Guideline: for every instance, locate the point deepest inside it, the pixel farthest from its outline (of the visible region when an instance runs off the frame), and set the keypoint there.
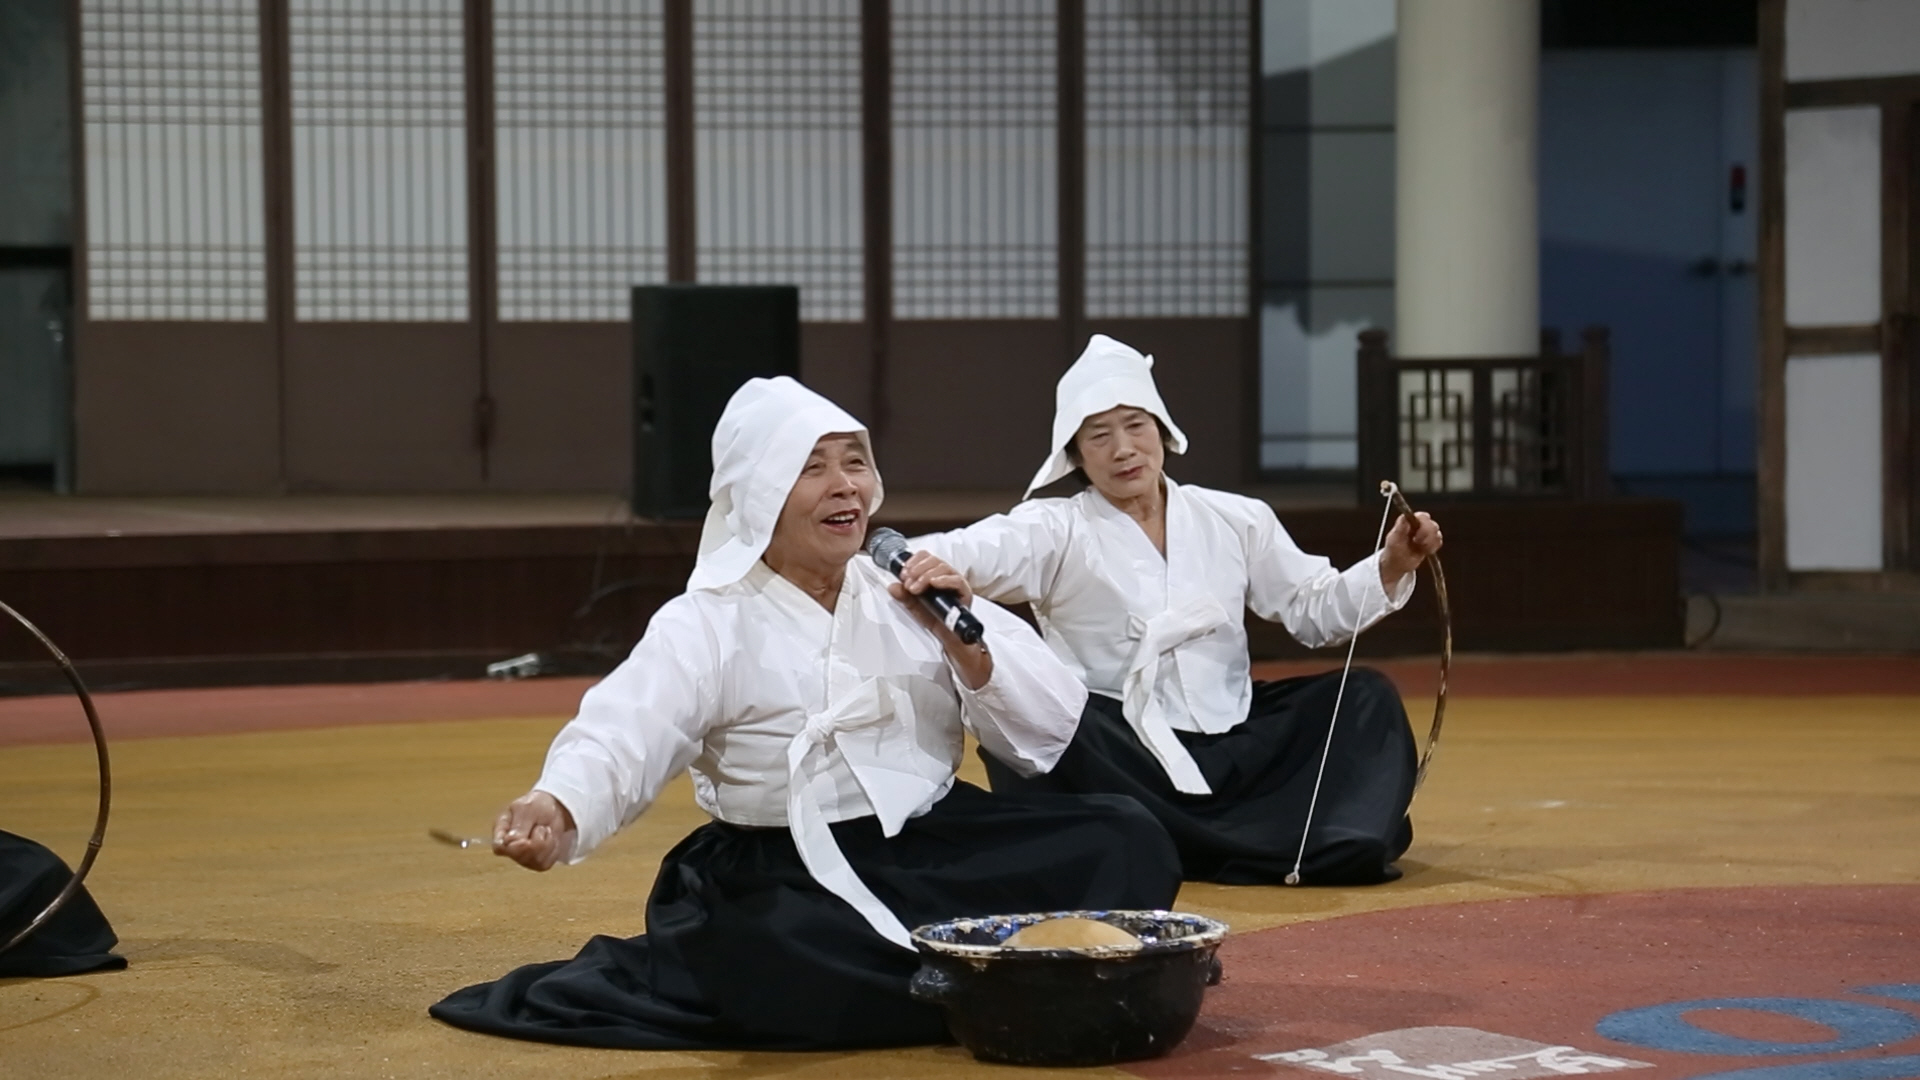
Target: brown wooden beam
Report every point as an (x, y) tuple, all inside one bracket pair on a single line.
[(876, 171), (1071, 174), (1252, 424), (482, 249), (1832, 340), (1839, 93), (682, 238), (1897, 192), (276, 146), (1772, 416), (66, 478)]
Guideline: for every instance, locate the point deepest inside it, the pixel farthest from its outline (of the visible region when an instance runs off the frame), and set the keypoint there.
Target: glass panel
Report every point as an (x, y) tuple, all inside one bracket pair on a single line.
[(379, 160), (579, 107), (33, 315), (175, 219), (975, 141)]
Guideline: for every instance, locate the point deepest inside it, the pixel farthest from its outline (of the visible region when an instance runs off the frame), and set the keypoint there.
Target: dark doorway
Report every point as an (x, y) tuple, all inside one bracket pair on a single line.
[(36, 237)]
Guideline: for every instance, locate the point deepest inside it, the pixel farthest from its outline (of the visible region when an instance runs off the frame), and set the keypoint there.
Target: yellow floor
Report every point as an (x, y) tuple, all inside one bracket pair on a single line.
[(286, 915)]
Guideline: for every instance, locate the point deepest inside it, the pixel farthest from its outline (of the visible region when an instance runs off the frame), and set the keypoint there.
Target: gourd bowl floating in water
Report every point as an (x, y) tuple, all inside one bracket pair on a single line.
[(1072, 1004)]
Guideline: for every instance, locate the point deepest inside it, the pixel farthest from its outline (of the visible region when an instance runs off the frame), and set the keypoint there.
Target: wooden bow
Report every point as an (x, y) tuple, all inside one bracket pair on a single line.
[(1392, 491), (106, 784)]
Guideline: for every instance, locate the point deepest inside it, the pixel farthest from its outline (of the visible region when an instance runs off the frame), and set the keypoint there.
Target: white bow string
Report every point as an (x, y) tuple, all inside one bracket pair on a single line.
[(1386, 512)]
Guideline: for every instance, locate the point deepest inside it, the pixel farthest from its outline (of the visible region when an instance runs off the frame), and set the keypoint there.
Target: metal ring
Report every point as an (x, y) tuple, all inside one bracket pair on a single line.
[(106, 781)]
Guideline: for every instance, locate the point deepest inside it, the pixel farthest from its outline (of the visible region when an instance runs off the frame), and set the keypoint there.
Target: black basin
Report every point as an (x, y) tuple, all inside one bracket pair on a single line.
[(1062, 1007)]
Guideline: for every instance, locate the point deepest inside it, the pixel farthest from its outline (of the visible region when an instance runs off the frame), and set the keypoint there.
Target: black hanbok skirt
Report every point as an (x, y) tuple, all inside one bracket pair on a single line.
[(77, 939), (1247, 832), (745, 951)]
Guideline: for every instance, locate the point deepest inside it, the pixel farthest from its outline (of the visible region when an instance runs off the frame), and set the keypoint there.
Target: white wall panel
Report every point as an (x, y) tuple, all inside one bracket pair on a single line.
[(1833, 216), (1833, 463), (1850, 39)]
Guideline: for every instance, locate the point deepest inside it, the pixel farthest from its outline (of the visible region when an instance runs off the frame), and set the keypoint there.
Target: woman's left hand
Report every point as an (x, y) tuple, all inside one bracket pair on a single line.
[(1409, 543), (927, 571)]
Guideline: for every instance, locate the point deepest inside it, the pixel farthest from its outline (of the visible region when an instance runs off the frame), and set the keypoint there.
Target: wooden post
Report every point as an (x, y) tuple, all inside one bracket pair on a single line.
[(1377, 425), (677, 30), (1071, 49), (876, 170), (1596, 470)]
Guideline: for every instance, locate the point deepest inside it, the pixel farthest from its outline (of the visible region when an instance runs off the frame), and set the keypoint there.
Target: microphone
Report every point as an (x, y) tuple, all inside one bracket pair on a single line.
[(889, 549)]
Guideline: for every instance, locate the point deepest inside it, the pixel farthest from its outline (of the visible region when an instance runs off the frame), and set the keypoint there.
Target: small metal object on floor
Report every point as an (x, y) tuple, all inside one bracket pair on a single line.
[(452, 840)]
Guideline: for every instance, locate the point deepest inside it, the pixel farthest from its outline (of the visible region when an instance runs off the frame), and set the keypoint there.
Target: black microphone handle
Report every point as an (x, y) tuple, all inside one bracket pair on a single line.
[(946, 606)]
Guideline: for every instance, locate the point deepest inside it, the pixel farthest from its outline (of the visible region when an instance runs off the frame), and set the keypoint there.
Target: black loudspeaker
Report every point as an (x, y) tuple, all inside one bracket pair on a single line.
[(693, 346)]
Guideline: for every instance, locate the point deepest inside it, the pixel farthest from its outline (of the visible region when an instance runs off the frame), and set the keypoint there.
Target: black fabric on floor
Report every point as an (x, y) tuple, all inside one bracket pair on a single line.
[(77, 939), (1247, 832), (744, 950)]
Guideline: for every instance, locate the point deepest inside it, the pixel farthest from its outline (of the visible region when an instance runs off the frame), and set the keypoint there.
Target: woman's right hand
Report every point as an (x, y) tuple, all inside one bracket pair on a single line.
[(535, 830)]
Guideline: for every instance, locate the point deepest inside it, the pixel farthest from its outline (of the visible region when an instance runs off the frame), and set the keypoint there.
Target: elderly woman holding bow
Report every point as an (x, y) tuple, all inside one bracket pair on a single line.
[(1140, 584), (821, 712)]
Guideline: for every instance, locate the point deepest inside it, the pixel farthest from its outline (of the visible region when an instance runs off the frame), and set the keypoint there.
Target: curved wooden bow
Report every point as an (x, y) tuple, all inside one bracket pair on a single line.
[(1392, 491), (106, 784)]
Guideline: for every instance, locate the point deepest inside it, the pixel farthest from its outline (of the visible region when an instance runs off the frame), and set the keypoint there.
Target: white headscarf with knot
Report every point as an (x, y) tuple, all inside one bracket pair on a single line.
[(759, 447), (1108, 374)]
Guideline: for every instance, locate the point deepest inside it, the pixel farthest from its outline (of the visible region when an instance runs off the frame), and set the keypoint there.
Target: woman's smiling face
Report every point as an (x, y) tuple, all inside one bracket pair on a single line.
[(824, 521)]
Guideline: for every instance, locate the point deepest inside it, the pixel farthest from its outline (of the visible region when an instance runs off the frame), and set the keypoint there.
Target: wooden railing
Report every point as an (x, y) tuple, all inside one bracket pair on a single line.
[(1527, 426)]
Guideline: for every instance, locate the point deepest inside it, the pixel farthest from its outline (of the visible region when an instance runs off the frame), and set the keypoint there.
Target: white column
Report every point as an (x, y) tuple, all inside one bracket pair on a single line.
[(1467, 256)]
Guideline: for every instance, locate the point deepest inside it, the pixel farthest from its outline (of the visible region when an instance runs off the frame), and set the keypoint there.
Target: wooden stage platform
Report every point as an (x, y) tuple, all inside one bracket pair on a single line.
[(227, 591)]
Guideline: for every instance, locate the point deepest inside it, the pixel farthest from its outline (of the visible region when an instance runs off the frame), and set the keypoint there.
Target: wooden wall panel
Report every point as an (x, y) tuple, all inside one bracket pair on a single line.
[(176, 407), (562, 407), (238, 608)]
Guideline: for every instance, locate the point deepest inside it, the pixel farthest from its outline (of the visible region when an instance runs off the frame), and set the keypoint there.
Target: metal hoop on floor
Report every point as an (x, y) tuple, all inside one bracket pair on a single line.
[(106, 782)]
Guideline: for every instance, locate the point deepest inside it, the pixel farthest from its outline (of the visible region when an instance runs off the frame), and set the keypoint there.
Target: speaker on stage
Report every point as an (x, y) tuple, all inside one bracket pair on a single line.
[(693, 346)]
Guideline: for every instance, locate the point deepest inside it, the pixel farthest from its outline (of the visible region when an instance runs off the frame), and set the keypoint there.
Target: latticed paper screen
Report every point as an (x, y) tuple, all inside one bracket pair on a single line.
[(579, 108), (1167, 116), (777, 123), (379, 160), (975, 136), (175, 205)]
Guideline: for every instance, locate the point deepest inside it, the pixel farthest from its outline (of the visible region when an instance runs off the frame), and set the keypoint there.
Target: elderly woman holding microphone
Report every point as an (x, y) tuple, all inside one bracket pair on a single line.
[(1140, 584), (821, 711)]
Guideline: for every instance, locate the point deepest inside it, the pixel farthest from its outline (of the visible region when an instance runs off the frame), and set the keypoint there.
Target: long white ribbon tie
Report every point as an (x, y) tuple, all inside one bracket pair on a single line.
[(1359, 625), (1159, 636), (853, 725)]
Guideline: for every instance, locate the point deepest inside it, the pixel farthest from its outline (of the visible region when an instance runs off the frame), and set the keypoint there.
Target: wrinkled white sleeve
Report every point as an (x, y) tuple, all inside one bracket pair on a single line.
[(637, 728), (1318, 605), (1011, 558), (1028, 710)]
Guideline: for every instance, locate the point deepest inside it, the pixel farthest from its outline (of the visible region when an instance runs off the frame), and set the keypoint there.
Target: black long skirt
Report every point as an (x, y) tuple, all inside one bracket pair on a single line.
[(1247, 832), (77, 939), (744, 950)]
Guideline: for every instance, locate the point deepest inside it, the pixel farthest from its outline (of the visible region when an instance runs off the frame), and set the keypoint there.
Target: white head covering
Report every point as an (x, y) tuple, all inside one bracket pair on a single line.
[(1108, 374), (759, 447)]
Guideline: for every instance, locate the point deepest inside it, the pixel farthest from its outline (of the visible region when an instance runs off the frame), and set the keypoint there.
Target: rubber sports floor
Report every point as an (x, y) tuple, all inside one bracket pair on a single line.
[(1671, 865)]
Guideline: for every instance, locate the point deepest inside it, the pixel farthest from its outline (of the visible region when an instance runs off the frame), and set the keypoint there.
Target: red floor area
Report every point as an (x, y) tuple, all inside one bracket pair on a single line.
[(149, 713), (1687, 981)]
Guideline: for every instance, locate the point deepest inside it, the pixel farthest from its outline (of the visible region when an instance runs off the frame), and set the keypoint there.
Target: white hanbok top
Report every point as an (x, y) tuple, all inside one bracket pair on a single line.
[(1165, 635), (789, 715)]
